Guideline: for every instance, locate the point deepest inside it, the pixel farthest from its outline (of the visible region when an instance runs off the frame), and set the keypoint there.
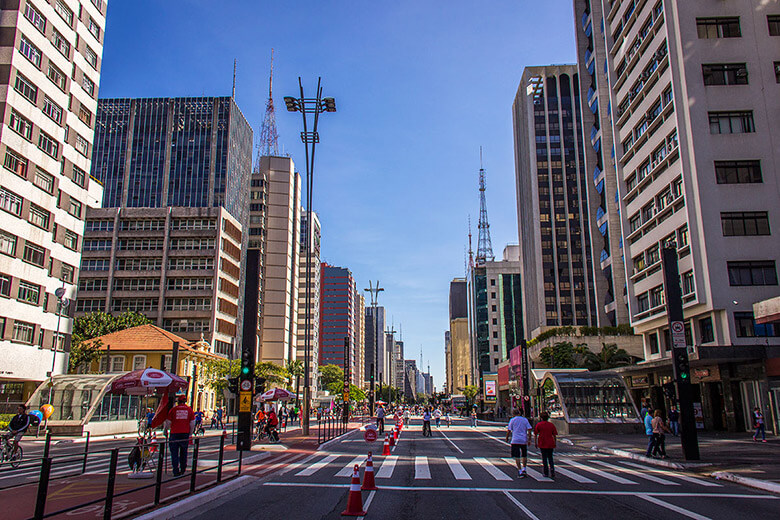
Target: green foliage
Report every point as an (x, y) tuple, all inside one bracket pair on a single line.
[(295, 369), (5, 418), (93, 325), (563, 355), (216, 372), (610, 357), (336, 388), (620, 330), (470, 392), (275, 376), (331, 374), (388, 393)]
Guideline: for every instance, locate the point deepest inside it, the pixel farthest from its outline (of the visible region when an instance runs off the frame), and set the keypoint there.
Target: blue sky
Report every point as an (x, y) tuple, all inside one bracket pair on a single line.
[(420, 85)]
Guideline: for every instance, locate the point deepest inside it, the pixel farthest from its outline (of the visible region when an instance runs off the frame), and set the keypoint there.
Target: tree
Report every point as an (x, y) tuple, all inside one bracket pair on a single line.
[(610, 357), (93, 325), (274, 374), (295, 369), (563, 355), (470, 392), (217, 371), (330, 374)]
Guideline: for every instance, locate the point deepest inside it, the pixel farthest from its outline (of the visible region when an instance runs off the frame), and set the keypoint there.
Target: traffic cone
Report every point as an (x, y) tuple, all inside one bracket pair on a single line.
[(395, 433), (386, 447), (355, 498), (368, 475), (392, 437)]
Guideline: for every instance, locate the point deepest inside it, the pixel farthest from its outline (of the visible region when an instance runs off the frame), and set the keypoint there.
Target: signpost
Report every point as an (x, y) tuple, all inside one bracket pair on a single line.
[(680, 365), (370, 434), (525, 376)]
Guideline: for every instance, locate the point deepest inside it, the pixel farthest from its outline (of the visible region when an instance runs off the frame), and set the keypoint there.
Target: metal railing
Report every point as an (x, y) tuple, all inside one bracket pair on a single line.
[(29, 463)]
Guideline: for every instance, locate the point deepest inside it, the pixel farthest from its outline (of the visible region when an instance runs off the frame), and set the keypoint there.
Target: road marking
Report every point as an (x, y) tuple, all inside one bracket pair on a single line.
[(458, 471), (531, 472), (450, 441), (672, 507), (521, 506), (574, 476), (490, 468), (350, 468), (421, 468), (494, 438), (367, 503), (651, 478), (684, 478), (296, 465), (316, 466), (387, 467), (603, 474)]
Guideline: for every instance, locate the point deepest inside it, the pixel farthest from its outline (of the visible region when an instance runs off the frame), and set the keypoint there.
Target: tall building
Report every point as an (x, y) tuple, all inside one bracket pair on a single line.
[(399, 374), (49, 86), (337, 319), (282, 215), (462, 373), (387, 377), (552, 206), (504, 301), (410, 379), (178, 266), (313, 310), (258, 209), (693, 91), (360, 339), (374, 343)]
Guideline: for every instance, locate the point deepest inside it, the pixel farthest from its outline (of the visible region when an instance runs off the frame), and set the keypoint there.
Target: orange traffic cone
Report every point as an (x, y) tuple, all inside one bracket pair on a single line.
[(386, 447), (368, 475), (355, 498), (395, 433), (392, 437)]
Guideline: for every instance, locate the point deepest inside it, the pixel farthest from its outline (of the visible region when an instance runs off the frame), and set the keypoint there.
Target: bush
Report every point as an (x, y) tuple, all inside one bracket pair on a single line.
[(5, 418)]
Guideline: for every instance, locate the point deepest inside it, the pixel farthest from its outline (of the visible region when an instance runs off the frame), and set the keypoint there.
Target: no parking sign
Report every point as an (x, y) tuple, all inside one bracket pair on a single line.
[(370, 434)]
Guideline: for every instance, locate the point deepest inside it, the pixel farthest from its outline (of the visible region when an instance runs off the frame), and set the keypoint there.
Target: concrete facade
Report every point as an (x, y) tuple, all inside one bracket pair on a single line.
[(504, 300), (313, 311)]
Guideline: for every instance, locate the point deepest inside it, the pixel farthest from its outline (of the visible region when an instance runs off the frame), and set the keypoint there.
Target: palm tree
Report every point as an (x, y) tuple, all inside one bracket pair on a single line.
[(295, 369), (610, 357)]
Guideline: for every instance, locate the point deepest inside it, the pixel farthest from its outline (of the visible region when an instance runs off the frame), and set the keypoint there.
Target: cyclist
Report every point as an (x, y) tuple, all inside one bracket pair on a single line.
[(426, 426), (198, 422), (271, 425), (260, 420), (16, 428), (149, 419)]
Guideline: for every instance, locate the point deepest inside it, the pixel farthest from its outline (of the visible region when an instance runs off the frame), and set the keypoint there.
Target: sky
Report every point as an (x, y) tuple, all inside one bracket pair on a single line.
[(420, 85)]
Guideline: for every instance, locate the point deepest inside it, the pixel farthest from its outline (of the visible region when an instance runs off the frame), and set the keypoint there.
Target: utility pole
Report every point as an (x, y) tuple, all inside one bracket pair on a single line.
[(680, 365)]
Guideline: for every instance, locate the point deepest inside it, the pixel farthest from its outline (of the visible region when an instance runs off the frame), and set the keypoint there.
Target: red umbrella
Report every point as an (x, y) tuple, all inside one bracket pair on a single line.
[(147, 381), (277, 394)]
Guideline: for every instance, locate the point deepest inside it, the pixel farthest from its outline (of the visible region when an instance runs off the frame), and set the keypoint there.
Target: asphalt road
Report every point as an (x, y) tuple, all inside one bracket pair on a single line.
[(463, 472)]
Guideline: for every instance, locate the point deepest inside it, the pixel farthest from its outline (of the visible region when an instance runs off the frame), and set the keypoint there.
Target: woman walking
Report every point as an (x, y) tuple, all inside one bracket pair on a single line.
[(659, 429), (758, 420)]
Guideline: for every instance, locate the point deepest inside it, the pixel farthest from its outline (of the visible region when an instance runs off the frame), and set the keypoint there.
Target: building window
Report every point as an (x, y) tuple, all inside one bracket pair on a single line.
[(136, 284), (94, 28), (139, 264), (39, 216), (732, 122), (652, 341), (10, 202), (29, 293), (30, 51), (752, 273), (44, 180), (190, 284), (67, 273), (82, 146), (687, 283), (643, 302), (747, 327), (100, 225), (773, 21), (95, 264), (725, 74), (88, 85), (7, 243), (89, 304), (57, 77), (48, 145), (706, 330), (5, 285), (16, 163), (134, 304), (61, 43), (74, 208), (93, 284), (26, 88), (91, 57), (35, 17), (21, 125), (777, 71), (34, 254), (117, 363), (24, 332), (71, 240), (97, 245), (188, 304), (85, 116), (745, 223), (80, 177), (51, 109), (64, 11), (718, 27), (738, 172), (656, 297), (139, 362)]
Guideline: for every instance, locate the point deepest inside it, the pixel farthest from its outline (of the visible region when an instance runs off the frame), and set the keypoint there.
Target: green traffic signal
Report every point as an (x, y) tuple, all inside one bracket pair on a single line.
[(244, 370), (684, 375)]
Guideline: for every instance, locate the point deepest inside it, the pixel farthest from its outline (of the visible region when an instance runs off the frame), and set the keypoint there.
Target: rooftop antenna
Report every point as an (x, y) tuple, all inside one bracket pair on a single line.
[(269, 138), (233, 95), (471, 251), (484, 246)]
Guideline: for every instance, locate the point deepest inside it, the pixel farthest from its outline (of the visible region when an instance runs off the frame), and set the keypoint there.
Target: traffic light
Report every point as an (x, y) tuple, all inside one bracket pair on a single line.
[(247, 362), (259, 385), (683, 367), (233, 385)]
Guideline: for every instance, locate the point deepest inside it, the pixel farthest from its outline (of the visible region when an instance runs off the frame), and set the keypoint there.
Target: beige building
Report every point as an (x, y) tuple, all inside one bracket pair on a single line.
[(51, 61), (313, 311), (279, 329), (178, 266), (360, 340), (461, 367)]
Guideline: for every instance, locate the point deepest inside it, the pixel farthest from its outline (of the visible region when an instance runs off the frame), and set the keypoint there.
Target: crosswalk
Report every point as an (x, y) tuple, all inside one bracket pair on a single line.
[(589, 471)]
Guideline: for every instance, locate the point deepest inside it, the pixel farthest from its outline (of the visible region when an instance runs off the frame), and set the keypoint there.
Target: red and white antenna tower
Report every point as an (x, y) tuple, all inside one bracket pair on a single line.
[(268, 136)]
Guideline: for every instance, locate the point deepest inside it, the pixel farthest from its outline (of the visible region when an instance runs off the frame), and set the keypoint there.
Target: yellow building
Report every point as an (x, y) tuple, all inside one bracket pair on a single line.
[(150, 346)]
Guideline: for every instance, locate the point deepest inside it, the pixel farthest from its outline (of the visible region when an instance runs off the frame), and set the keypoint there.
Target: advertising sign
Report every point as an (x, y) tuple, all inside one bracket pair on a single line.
[(490, 389)]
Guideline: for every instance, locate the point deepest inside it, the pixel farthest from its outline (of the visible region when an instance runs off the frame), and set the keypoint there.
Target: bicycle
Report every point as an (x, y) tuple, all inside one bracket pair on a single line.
[(261, 434), (7, 454), (199, 430), (426, 429)]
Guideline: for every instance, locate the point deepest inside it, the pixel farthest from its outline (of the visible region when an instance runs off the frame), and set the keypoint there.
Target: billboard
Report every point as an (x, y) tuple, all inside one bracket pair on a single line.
[(490, 390)]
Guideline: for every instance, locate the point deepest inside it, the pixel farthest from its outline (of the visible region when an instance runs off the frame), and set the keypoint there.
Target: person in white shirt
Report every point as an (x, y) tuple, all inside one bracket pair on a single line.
[(437, 417), (519, 431)]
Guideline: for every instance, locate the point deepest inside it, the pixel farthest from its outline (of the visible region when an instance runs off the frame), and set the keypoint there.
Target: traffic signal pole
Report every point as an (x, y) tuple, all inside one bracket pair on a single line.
[(246, 377), (680, 364)]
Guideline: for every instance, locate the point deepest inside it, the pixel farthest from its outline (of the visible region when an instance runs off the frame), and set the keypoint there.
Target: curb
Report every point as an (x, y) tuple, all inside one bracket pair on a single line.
[(181, 507), (334, 439), (755, 483), (649, 460)]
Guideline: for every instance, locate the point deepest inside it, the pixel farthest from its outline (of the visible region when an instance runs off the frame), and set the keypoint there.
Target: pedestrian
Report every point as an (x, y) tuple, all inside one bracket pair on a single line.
[(758, 422), (437, 417), (674, 421), (659, 439), (546, 434), (220, 424), (181, 424), (517, 432), (645, 409), (474, 418), (648, 420), (380, 419)]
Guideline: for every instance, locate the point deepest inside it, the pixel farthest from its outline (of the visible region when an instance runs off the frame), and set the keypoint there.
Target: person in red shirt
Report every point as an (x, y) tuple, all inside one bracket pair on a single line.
[(545, 440), (181, 423)]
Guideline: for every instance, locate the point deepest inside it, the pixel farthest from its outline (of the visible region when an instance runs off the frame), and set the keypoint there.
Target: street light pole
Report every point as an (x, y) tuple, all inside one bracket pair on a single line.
[(62, 302), (305, 106)]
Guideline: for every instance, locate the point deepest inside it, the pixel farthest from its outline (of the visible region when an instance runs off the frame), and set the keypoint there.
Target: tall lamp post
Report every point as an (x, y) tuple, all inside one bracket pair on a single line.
[(62, 304), (310, 138)]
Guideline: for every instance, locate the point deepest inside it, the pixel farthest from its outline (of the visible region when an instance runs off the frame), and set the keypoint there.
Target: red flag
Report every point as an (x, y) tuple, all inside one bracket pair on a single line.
[(161, 414)]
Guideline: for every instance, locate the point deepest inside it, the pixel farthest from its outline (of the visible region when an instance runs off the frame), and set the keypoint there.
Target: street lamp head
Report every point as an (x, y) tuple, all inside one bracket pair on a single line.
[(329, 104), (291, 103)]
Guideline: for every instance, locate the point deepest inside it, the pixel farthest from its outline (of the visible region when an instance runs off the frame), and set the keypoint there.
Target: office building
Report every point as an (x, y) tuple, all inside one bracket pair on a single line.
[(338, 322), (460, 349), (360, 339), (51, 66), (399, 374), (410, 380), (374, 343), (693, 90), (504, 302), (281, 213), (178, 266), (312, 312), (552, 207)]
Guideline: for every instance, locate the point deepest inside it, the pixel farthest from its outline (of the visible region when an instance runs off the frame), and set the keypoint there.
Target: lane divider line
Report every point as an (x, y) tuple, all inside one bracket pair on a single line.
[(672, 507), (524, 509)]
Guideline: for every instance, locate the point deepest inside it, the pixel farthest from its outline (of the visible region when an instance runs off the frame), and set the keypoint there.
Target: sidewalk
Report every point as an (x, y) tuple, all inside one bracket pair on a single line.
[(734, 453)]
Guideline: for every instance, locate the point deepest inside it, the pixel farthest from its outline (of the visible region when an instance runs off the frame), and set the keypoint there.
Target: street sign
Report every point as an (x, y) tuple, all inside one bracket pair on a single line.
[(245, 402), (370, 435), (246, 385)]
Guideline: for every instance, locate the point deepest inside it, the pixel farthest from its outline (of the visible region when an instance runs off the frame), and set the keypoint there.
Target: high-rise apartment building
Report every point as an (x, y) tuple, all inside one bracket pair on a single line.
[(399, 374), (51, 65), (375, 341), (552, 205), (178, 266), (360, 339), (338, 321), (312, 312), (462, 372), (694, 89), (504, 302), (410, 380), (281, 261)]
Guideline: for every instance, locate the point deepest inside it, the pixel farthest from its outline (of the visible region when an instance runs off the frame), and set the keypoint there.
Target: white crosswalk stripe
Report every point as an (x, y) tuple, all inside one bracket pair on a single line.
[(684, 478), (421, 468), (600, 473), (458, 471), (646, 476), (387, 467), (311, 470), (490, 468), (350, 468), (574, 476), (529, 471)]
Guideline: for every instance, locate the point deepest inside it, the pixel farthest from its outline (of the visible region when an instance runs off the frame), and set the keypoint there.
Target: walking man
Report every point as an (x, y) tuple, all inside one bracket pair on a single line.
[(518, 431), (181, 423), (674, 421), (758, 420), (546, 434), (648, 419)]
